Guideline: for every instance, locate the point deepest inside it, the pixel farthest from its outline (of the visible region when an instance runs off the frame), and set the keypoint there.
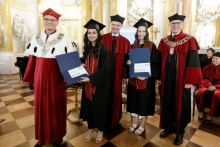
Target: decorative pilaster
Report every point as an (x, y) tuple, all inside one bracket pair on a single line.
[(40, 18), (85, 8), (112, 10), (189, 10), (217, 31), (5, 27), (97, 10), (171, 9)]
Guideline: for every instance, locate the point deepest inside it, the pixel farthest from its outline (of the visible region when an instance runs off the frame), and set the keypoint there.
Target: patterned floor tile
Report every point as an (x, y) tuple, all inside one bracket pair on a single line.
[(191, 144), (210, 128), (25, 144), (150, 131), (189, 132), (29, 132), (12, 139), (10, 97), (205, 139), (25, 121), (8, 127), (108, 144), (150, 144), (113, 132), (155, 120), (23, 113), (127, 138), (8, 118), (13, 102), (18, 107)]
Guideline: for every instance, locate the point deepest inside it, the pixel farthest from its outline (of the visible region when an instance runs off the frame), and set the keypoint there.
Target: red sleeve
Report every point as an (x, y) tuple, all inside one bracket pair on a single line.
[(29, 73), (127, 47), (206, 83)]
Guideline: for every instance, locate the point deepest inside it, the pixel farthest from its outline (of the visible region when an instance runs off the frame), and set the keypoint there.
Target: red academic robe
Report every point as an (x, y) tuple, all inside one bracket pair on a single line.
[(209, 75), (122, 46), (50, 97), (187, 72)]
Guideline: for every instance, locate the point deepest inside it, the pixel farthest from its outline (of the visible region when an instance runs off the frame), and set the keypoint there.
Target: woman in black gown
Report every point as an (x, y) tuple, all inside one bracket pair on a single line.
[(207, 59), (141, 90), (95, 94)]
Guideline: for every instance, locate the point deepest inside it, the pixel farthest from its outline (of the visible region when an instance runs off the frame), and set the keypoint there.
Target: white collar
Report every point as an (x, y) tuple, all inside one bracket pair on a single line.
[(115, 35), (175, 34)]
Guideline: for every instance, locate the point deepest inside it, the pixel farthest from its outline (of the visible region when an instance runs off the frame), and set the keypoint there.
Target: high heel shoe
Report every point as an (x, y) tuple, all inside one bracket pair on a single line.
[(88, 137), (99, 137), (139, 131)]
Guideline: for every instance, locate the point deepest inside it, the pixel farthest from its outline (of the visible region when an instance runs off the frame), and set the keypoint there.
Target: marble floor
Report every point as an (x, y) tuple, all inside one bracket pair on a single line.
[(17, 108)]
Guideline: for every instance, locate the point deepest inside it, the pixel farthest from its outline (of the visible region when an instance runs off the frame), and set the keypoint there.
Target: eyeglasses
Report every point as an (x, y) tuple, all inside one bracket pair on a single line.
[(47, 20), (176, 23)]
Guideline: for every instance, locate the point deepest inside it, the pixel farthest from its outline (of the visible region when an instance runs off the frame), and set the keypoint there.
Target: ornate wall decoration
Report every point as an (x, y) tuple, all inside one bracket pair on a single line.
[(171, 9), (85, 8), (40, 18), (217, 32), (22, 30), (6, 32), (97, 11), (112, 10), (70, 2), (69, 28), (189, 10)]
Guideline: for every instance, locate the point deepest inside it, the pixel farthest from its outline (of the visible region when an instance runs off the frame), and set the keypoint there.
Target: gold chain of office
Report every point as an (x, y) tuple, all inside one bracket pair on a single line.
[(174, 44)]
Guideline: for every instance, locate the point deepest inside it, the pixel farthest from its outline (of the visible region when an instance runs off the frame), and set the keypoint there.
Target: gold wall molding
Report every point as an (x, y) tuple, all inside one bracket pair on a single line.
[(24, 4), (6, 29), (40, 19), (85, 11), (171, 9), (112, 10), (97, 11), (217, 32), (189, 10)]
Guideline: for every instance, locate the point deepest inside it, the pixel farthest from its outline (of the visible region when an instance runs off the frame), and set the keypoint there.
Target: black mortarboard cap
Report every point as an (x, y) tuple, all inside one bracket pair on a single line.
[(92, 24), (216, 54), (211, 49), (143, 22), (117, 18), (176, 17)]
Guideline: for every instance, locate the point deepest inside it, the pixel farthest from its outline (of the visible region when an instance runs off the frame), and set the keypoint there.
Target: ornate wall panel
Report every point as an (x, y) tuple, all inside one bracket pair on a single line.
[(171, 9), (112, 10), (41, 26), (189, 10), (217, 32), (97, 10), (70, 28), (85, 8), (6, 31)]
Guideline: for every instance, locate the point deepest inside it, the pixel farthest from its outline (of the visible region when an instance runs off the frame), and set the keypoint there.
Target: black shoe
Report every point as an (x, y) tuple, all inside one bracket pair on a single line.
[(208, 121), (57, 144), (119, 126), (37, 145), (178, 140), (164, 133), (201, 119)]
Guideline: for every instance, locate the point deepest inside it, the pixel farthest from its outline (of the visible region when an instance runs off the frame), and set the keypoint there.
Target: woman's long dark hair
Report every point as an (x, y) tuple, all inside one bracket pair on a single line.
[(146, 38), (88, 44)]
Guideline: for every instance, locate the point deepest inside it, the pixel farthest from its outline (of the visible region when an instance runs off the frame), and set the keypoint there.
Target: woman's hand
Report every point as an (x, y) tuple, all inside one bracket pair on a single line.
[(211, 88), (141, 78), (158, 82), (128, 62), (187, 86), (83, 65), (85, 79)]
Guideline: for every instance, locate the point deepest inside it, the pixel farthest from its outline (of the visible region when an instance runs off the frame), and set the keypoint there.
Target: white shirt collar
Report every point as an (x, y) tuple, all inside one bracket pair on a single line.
[(175, 35), (115, 35)]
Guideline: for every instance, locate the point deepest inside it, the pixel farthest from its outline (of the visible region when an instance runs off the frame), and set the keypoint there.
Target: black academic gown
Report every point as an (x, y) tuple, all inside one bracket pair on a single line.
[(95, 111), (205, 61), (142, 102)]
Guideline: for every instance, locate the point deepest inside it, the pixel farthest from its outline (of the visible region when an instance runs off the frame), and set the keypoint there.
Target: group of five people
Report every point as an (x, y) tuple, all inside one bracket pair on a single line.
[(175, 65)]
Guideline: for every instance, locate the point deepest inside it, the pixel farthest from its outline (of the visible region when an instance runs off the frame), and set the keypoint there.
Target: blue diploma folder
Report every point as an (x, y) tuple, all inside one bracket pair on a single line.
[(67, 62), (140, 55)]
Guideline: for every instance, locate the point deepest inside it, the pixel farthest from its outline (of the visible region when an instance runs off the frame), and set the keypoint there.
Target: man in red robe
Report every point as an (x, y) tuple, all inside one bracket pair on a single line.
[(209, 93), (43, 74), (180, 70), (118, 47)]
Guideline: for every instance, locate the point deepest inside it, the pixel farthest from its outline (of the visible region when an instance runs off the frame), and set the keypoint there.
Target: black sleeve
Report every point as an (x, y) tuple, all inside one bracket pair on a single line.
[(82, 60), (155, 61), (104, 66)]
